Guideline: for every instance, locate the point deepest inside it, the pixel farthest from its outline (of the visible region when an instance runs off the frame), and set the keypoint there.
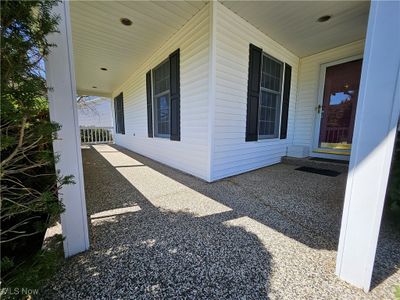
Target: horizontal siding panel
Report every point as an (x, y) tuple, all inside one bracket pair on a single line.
[(250, 163), (244, 167), (229, 122), (245, 158), (243, 153), (224, 83)]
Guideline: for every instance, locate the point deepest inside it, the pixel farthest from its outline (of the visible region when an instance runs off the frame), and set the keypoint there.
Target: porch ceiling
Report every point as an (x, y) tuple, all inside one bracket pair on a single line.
[(294, 24), (101, 41)]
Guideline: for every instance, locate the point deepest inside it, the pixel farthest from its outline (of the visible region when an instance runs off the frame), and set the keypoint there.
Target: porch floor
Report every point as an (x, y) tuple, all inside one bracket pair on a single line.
[(159, 233)]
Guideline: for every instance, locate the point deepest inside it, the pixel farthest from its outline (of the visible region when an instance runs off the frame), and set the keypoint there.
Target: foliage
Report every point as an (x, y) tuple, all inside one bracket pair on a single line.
[(34, 272), (29, 182), (393, 193)]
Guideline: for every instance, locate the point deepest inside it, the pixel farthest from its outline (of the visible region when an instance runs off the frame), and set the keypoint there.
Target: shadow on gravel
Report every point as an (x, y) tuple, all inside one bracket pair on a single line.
[(168, 256), (305, 207), (154, 253)]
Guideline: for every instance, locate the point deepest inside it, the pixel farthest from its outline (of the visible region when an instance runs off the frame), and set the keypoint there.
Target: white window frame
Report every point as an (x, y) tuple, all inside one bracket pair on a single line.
[(155, 107), (279, 106)]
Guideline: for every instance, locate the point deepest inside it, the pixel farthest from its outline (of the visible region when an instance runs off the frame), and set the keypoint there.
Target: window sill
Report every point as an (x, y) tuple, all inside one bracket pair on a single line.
[(165, 138), (272, 140), (268, 138)]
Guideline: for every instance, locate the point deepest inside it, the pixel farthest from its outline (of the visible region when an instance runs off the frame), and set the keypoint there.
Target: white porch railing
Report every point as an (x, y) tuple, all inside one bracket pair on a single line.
[(96, 135)]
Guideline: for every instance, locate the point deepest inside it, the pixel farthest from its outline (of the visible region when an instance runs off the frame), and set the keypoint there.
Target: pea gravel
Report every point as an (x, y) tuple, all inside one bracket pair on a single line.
[(273, 235)]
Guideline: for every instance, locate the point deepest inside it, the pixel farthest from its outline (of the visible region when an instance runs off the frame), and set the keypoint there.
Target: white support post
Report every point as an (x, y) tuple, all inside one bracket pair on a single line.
[(60, 77), (374, 135)]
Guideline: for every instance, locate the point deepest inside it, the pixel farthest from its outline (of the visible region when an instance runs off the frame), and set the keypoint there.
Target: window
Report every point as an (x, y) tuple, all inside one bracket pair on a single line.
[(163, 98), (162, 103), (270, 97), (119, 114)]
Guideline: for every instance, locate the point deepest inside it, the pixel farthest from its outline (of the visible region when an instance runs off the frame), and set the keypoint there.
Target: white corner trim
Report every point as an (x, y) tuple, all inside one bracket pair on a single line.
[(211, 85)]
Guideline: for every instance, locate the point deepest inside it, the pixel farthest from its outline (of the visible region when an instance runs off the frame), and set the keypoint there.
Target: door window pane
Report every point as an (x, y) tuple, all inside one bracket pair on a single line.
[(339, 105)]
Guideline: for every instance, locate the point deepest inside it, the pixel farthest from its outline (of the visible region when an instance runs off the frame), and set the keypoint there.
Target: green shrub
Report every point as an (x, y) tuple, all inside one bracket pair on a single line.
[(393, 192), (29, 181)]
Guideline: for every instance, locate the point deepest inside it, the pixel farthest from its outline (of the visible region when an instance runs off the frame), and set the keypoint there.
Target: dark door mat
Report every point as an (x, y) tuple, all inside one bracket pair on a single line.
[(336, 161), (325, 172)]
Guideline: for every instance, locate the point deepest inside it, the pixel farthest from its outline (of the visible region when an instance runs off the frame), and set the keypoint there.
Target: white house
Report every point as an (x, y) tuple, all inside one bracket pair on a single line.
[(223, 87)]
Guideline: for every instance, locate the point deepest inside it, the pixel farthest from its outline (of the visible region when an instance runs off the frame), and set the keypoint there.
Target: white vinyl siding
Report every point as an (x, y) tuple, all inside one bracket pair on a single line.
[(307, 97), (213, 111), (231, 154), (191, 154)]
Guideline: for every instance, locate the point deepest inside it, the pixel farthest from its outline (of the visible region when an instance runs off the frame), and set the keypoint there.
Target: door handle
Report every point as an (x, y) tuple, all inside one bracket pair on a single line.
[(318, 108)]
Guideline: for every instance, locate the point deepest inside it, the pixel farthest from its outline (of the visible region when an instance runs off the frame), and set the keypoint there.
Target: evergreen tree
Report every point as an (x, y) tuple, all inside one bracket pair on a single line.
[(29, 182)]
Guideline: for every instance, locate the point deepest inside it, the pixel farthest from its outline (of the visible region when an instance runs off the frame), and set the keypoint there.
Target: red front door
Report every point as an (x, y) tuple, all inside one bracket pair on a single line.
[(339, 105)]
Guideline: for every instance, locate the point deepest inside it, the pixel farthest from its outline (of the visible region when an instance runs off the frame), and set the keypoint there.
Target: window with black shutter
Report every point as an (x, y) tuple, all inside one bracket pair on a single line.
[(268, 96), (163, 99), (119, 114)]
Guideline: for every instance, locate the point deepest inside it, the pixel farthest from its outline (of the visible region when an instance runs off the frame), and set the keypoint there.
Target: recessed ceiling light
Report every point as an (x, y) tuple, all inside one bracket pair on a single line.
[(103, 69), (94, 87), (324, 18), (126, 21)]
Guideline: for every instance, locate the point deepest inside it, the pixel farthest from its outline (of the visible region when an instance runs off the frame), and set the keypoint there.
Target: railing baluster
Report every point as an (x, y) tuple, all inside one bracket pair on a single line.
[(96, 135)]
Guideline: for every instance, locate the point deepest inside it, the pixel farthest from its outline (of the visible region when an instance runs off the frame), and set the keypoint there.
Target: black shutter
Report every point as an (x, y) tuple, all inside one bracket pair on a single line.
[(253, 93), (149, 105), (119, 114), (122, 126), (116, 114), (175, 96), (285, 101)]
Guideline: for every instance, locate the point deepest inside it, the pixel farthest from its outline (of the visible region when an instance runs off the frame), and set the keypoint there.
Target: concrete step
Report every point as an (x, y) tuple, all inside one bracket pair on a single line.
[(319, 164)]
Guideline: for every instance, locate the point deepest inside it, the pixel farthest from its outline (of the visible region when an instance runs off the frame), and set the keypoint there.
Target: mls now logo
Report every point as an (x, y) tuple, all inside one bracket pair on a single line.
[(19, 291)]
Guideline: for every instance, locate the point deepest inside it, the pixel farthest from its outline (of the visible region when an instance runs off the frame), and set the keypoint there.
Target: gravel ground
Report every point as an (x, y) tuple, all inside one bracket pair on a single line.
[(157, 233)]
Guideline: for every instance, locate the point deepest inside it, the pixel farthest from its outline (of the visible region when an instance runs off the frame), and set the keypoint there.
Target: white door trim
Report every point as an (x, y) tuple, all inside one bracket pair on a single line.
[(317, 121)]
